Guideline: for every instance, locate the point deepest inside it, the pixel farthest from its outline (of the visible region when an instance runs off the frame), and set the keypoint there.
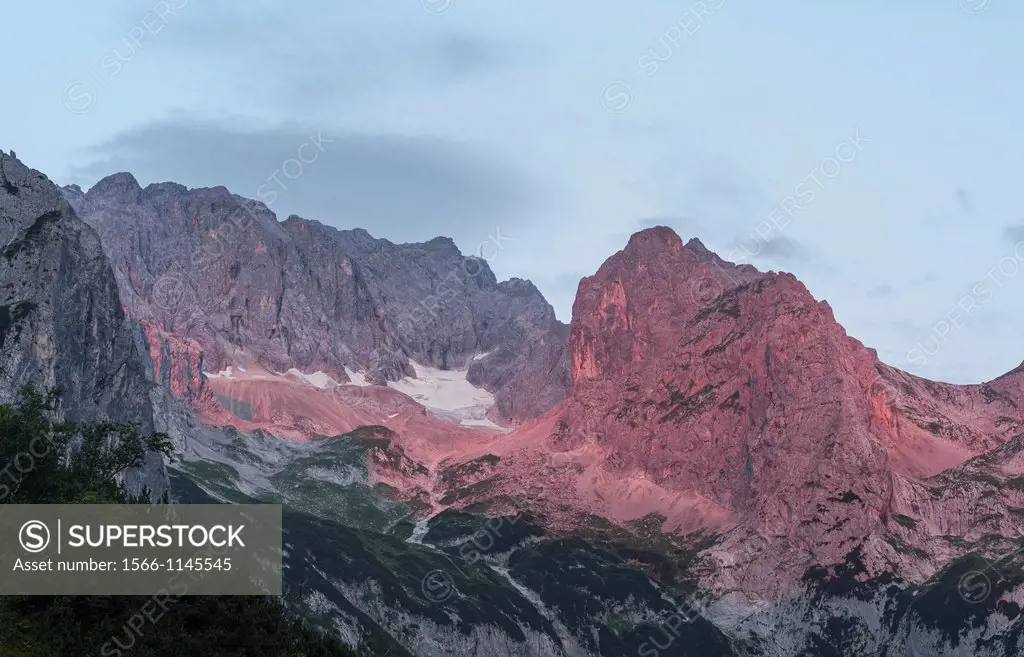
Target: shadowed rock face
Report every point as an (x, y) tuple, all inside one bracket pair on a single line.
[(61, 320), (221, 270)]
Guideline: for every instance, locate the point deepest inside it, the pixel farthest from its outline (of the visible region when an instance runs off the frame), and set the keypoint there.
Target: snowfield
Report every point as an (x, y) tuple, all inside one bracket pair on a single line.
[(448, 395)]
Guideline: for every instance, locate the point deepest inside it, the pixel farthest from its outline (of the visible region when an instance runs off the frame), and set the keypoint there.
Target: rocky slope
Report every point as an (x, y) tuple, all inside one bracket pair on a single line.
[(465, 584), (220, 270), (61, 320)]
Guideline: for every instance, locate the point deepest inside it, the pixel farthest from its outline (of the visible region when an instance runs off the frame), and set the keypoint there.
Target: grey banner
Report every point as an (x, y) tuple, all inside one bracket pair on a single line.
[(140, 549)]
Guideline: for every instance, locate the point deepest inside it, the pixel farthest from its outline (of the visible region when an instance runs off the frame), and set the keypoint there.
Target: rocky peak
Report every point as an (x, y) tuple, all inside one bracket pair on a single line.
[(697, 246), (520, 287), (362, 237), (123, 185), (169, 188), (444, 244), (640, 299), (654, 239)]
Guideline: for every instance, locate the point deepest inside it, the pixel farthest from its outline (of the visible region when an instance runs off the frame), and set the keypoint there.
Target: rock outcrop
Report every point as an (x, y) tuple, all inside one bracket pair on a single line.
[(220, 270)]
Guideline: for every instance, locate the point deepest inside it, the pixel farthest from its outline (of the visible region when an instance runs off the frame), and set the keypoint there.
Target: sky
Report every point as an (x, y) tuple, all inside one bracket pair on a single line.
[(872, 148)]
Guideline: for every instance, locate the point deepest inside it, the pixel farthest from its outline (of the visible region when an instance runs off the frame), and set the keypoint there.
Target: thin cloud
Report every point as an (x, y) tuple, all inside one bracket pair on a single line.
[(964, 201), (1014, 234), (346, 50), (399, 187), (782, 248), (880, 291)]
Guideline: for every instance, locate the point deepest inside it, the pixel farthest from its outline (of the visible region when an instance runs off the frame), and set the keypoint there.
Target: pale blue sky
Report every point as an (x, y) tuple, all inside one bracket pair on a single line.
[(467, 118)]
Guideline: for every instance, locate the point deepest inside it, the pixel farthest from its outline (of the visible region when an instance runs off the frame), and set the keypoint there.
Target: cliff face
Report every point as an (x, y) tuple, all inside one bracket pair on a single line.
[(759, 384), (61, 320), (737, 385), (220, 270), (176, 364)]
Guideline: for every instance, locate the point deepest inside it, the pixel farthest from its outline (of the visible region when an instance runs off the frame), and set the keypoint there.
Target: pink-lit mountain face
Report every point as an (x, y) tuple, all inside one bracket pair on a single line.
[(728, 399)]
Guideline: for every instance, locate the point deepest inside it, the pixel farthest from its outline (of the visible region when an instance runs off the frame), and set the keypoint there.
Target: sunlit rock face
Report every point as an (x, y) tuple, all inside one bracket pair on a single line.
[(737, 386)]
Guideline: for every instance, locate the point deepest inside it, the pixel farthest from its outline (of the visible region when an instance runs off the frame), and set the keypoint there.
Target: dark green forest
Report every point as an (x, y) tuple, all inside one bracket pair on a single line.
[(80, 465)]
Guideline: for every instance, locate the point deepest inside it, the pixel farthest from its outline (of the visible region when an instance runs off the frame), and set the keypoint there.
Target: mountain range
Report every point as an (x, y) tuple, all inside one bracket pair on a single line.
[(702, 462)]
